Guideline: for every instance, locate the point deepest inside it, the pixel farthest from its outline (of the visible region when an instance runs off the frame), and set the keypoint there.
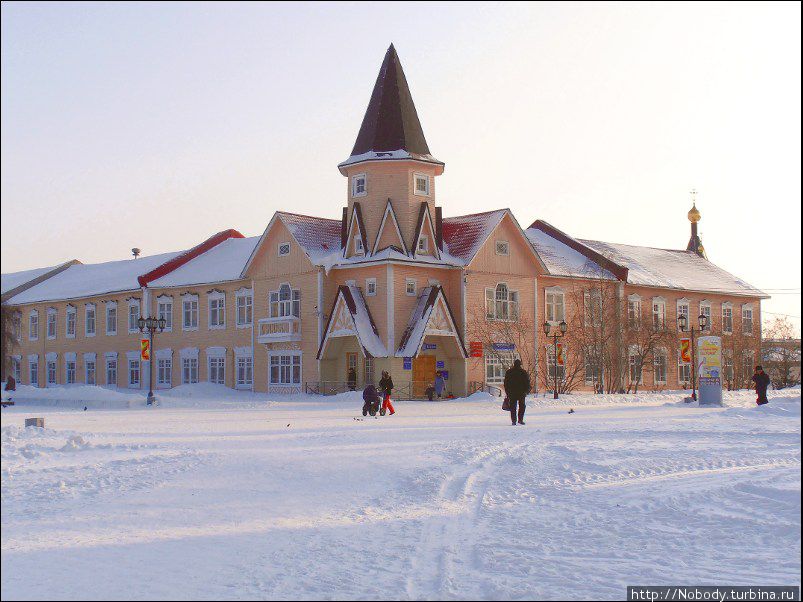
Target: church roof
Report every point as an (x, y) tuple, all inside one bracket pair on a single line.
[(390, 129)]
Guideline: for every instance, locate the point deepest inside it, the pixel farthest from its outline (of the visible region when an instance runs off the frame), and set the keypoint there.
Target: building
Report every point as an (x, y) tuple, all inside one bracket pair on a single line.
[(390, 285)]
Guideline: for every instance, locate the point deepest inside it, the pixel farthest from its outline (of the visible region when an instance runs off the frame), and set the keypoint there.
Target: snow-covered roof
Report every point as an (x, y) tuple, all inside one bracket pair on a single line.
[(562, 260), (670, 268), (419, 322), (364, 326), (223, 262), (12, 280), (463, 235), (87, 280)]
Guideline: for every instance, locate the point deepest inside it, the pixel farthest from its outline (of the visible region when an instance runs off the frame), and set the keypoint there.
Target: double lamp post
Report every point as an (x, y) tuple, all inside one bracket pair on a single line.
[(558, 332), (151, 325), (683, 323)]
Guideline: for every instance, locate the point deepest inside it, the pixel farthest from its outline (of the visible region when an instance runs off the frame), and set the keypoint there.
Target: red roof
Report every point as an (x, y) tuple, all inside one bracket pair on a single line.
[(314, 234), (465, 234)]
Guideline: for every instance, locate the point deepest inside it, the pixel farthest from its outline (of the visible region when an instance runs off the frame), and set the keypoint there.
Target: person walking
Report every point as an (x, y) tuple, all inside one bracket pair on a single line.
[(11, 383), (386, 386), (761, 380), (351, 378), (440, 385), (517, 385)]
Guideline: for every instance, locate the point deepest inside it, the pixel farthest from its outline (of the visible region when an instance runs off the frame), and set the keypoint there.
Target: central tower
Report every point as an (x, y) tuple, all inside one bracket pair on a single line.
[(391, 174)]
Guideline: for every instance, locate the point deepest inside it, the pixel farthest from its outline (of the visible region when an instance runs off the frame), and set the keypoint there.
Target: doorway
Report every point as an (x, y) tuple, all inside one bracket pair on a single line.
[(423, 374)]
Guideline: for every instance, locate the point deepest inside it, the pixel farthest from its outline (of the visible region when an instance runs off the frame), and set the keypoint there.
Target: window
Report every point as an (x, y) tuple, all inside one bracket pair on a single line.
[(634, 311), (368, 372), (748, 365), (727, 318), (111, 318), (421, 184), (189, 372), (244, 300), (593, 368), (285, 302), (423, 244), (684, 373), (496, 364), (501, 303), (51, 324), (359, 249), (593, 308), (683, 310), (69, 372), (358, 185), (658, 313), (33, 325), (370, 287), (189, 312), (285, 369), (16, 326), (51, 372), (33, 372), (284, 249), (70, 322), (245, 372), (217, 370), (89, 368), (111, 372), (133, 316), (164, 310), (550, 363), (747, 320), (727, 366), (133, 373), (705, 310), (217, 311), (502, 247), (635, 367), (16, 368), (659, 367), (89, 321), (555, 307), (164, 371), (410, 287)]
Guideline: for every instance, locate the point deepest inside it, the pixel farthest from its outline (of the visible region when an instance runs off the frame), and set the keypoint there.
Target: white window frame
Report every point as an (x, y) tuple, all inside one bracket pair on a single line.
[(94, 371), (90, 309), (496, 364), (683, 367), (243, 370), (218, 300), (592, 312), (284, 368), (634, 311), (164, 309), (284, 307), (745, 320), (632, 355), (370, 287), (244, 303), (359, 248), (727, 318), (283, 249), (70, 370), (111, 311), (129, 373), (551, 305), (423, 244), (215, 363), (501, 303), (551, 354), (164, 371), (502, 247), (51, 371), (684, 308), (133, 303), (705, 309), (658, 313), (355, 185), (33, 371), (33, 325), (111, 368), (190, 367), (52, 321), (426, 178), (410, 287), (660, 354), (189, 299), (70, 320), (16, 368), (728, 366)]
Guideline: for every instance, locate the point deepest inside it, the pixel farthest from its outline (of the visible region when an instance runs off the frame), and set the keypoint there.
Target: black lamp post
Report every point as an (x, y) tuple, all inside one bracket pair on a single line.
[(151, 325), (558, 333), (683, 322)]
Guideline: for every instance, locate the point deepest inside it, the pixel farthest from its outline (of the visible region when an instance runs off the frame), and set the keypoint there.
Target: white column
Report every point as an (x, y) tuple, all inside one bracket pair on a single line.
[(391, 312)]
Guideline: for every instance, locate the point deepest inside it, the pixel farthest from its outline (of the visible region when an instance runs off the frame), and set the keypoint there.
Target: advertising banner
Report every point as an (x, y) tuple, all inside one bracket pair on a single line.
[(145, 350), (709, 370), (475, 349), (685, 351)]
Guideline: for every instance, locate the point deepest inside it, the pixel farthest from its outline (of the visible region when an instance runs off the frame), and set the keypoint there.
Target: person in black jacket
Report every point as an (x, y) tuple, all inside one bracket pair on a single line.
[(386, 386), (761, 380), (517, 385), (351, 379), (370, 400)]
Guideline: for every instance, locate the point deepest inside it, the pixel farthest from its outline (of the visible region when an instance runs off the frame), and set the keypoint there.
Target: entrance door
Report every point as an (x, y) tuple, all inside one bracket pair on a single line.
[(351, 364), (423, 374)]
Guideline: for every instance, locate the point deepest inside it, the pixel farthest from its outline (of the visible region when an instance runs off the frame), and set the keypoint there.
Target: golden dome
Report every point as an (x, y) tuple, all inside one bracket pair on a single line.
[(694, 214)]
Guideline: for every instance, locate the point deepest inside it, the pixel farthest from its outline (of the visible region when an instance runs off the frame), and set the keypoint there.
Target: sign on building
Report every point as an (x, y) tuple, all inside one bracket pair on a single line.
[(407, 363), (709, 370), (475, 349)]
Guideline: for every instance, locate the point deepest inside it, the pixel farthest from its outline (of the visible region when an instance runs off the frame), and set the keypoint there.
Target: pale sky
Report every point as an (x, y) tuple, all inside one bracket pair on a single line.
[(156, 125)]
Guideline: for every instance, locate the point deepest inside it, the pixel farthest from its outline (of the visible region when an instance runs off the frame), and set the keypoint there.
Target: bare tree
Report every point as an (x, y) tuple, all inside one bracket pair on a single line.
[(780, 353), (644, 340), (8, 336)]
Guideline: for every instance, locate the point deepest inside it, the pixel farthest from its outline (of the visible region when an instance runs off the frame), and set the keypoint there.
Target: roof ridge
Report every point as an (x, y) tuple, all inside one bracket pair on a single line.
[(329, 219), (478, 213), (625, 244)]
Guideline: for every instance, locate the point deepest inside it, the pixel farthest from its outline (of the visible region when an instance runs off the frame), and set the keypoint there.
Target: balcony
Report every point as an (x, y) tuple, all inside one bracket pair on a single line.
[(279, 330)]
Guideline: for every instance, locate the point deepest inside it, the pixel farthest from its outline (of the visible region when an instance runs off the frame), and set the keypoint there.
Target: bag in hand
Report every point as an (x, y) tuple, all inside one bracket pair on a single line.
[(506, 405)]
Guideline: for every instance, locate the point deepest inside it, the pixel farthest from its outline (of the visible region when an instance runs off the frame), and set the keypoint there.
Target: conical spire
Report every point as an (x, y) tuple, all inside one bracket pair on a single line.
[(391, 121)]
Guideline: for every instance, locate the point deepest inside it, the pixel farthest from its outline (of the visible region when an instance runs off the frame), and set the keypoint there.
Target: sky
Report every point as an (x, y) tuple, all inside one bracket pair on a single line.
[(156, 125)]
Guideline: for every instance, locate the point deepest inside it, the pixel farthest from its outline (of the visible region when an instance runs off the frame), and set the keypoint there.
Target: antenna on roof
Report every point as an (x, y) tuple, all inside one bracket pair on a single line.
[(135, 252)]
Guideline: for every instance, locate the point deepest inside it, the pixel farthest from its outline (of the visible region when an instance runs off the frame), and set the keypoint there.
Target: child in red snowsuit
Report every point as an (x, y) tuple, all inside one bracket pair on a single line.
[(386, 386)]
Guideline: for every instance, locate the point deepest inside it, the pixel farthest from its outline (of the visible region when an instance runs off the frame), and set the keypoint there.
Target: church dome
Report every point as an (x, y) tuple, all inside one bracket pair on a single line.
[(694, 214)]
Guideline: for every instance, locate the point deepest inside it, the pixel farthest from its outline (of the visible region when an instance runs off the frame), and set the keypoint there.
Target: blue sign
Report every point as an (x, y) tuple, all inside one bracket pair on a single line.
[(503, 346), (445, 374), (440, 365), (408, 363), (429, 346)]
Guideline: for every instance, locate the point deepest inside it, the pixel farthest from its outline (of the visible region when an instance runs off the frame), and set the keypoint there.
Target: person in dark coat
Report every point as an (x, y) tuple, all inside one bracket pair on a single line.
[(386, 386), (761, 380), (440, 385), (11, 383), (351, 378), (370, 400), (517, 385)]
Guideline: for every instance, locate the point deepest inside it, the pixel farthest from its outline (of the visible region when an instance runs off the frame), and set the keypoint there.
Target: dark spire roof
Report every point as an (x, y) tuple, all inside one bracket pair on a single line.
[(391, 122)]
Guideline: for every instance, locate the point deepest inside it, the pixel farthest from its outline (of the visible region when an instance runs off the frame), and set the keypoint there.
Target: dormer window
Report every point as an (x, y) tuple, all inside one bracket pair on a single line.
[(358, 185), (423, 244), (358, 248), (284, 249), (421, 184)]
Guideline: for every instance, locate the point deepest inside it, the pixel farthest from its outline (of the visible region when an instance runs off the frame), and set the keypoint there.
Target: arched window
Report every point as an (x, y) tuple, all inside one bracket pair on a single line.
[(501, 303), (285, 302)]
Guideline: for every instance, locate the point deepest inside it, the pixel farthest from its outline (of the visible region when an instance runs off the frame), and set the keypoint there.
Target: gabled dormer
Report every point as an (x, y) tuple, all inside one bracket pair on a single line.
[(356, 243), (425, 243), (389, 234)]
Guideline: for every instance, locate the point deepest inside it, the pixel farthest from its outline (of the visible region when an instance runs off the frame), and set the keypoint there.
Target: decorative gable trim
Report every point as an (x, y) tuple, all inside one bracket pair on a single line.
[(425, 219), (389, 211), (343, 321), (432, 316), (356, 221)]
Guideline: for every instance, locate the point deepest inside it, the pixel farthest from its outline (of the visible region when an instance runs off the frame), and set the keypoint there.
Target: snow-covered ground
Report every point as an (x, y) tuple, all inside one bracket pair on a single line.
[(246, 496)]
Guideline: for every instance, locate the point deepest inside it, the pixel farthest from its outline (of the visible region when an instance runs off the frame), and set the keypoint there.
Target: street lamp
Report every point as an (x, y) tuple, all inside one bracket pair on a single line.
[(150, 325), (562, 328), (683, 323)]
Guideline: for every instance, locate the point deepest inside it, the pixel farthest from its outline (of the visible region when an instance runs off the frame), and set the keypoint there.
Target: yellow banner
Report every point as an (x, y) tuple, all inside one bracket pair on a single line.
[(145, 349), (685, 351)]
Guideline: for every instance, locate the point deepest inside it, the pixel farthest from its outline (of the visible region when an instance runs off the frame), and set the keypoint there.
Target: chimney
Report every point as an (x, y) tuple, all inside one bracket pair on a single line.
[(439, 227), (344, 227)]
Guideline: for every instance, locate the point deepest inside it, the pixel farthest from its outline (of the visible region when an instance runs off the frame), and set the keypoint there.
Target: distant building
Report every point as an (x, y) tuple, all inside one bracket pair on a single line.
[(390, 285)]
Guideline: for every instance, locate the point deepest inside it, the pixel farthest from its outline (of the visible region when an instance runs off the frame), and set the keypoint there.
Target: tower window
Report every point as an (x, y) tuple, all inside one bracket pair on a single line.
[(423, 245), (422, 184), (358, 248), (358, 185)]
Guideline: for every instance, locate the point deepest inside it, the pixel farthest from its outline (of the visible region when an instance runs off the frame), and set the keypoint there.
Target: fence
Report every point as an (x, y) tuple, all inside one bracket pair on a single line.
[(476, 385), (401, 391)]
